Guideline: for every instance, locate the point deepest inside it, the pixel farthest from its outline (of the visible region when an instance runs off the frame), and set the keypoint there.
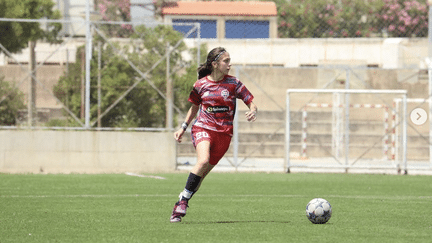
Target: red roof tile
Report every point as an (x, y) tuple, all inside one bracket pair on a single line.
[(221, 8)]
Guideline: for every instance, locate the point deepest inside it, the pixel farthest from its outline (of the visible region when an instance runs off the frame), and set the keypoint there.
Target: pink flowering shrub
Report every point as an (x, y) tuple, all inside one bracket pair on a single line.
[(404, 18), (352, 18)]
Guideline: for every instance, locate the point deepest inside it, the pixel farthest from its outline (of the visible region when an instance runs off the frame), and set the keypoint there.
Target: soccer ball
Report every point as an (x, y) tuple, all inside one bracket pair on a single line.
[(318, 211)]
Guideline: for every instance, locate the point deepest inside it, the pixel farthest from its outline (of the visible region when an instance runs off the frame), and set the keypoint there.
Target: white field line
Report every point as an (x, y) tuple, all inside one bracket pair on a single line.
[(146, 176), (364, 197)]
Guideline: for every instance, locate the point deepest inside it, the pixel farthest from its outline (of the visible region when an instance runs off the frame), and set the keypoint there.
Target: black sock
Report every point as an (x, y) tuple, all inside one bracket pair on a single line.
[(192, 184)]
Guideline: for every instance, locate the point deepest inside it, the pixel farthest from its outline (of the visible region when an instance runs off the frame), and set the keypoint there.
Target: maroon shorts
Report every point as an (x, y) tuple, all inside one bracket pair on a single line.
[(219, 142)]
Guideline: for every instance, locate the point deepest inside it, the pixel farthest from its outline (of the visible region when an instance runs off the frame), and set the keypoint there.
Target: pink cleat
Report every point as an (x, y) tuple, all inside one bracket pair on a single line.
[(179, 211)]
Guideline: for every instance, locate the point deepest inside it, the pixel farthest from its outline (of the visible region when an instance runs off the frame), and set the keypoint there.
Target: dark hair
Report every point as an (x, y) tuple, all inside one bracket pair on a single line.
[(206, 68)]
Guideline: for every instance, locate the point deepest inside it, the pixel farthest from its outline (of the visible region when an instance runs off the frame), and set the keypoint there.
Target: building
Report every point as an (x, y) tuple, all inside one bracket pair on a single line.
[(74, 10), (142, 12), (223, 20)]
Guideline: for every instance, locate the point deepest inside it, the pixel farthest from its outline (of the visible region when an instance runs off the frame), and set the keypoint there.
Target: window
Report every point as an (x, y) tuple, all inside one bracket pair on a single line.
[(246, 29), (208, 28)]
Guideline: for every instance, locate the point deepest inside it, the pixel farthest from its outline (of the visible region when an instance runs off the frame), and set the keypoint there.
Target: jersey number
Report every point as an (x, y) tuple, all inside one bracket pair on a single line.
[(201, 135)]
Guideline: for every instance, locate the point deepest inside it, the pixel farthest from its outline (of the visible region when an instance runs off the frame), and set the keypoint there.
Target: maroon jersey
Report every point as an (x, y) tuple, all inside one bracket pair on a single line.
[(217, 100)]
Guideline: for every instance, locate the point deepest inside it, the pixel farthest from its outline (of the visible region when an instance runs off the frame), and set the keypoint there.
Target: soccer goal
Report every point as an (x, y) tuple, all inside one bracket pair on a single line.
[(345, 129)]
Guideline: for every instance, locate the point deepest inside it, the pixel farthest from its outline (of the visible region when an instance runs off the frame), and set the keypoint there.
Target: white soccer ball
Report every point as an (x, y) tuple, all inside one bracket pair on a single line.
[(318, 211)]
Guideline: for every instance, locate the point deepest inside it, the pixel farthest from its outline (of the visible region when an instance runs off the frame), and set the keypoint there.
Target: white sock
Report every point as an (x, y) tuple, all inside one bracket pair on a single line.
[(185, 194)]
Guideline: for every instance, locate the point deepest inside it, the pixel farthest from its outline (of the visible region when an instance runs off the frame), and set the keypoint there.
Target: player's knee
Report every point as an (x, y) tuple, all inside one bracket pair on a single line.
[(203, 162)]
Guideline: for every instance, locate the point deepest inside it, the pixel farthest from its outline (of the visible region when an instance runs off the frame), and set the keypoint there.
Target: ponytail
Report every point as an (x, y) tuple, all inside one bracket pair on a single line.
[(204, 70), (207, 68)]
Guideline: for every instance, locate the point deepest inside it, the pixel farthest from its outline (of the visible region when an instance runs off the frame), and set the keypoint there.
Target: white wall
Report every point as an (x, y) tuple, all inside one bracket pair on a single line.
[(36, 151), (47, 53), (387, 53)]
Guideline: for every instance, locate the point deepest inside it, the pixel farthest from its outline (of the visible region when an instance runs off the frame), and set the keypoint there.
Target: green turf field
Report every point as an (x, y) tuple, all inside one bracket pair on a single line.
[(230, 207)]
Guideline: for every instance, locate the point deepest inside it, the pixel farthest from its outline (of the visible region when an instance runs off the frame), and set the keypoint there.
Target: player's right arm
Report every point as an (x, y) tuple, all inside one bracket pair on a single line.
[(189, 117)]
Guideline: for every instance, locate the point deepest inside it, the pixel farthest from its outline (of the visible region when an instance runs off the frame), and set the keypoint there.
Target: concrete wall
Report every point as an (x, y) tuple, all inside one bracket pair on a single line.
[(41, 151), (47, 76)]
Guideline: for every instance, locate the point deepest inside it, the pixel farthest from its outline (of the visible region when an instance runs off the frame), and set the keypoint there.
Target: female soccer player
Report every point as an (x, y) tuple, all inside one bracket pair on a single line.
[(213, 95)]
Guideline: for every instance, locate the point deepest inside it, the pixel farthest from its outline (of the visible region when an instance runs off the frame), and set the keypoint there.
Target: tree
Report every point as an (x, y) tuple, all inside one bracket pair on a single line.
[(143, 106), (16, 35)]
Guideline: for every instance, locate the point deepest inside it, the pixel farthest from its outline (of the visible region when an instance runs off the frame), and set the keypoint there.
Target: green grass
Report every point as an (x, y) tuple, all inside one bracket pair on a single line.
[(230, 207)]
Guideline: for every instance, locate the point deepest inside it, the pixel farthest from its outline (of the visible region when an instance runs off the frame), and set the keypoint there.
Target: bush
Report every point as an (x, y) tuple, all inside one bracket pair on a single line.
[(404, 18), (345, 18), (11, 101)]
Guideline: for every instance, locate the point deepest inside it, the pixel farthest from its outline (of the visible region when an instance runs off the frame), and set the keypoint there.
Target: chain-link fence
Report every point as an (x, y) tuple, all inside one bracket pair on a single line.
[(123, 76)]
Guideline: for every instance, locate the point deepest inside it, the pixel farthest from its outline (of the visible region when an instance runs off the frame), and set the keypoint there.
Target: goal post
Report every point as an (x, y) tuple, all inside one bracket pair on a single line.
[(421, 159), (344, 116)]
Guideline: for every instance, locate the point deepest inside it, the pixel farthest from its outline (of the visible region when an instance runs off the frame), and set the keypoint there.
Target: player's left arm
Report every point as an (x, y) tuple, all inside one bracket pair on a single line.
[(251, 114)]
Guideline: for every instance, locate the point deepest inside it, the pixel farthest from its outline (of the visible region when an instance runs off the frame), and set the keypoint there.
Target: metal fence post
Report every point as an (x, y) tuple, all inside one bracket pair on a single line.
[(347, 114), (287, 133), (404, 132), (88, 60)]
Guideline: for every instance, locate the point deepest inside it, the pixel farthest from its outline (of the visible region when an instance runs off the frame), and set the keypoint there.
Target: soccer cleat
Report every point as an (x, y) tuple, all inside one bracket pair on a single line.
[(175, 219), (179, 211)]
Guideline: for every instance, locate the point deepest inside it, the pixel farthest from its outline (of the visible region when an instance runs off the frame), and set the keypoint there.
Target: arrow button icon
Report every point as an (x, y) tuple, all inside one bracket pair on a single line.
[(418, 116)]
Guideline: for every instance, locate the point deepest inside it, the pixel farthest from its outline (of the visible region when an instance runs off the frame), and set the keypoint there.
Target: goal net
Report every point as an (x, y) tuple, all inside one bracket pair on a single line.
[(343, 129)]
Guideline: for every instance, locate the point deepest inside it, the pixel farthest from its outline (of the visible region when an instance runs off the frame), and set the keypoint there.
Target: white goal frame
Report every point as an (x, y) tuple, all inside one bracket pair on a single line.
[(397, 101), (346, 166)]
